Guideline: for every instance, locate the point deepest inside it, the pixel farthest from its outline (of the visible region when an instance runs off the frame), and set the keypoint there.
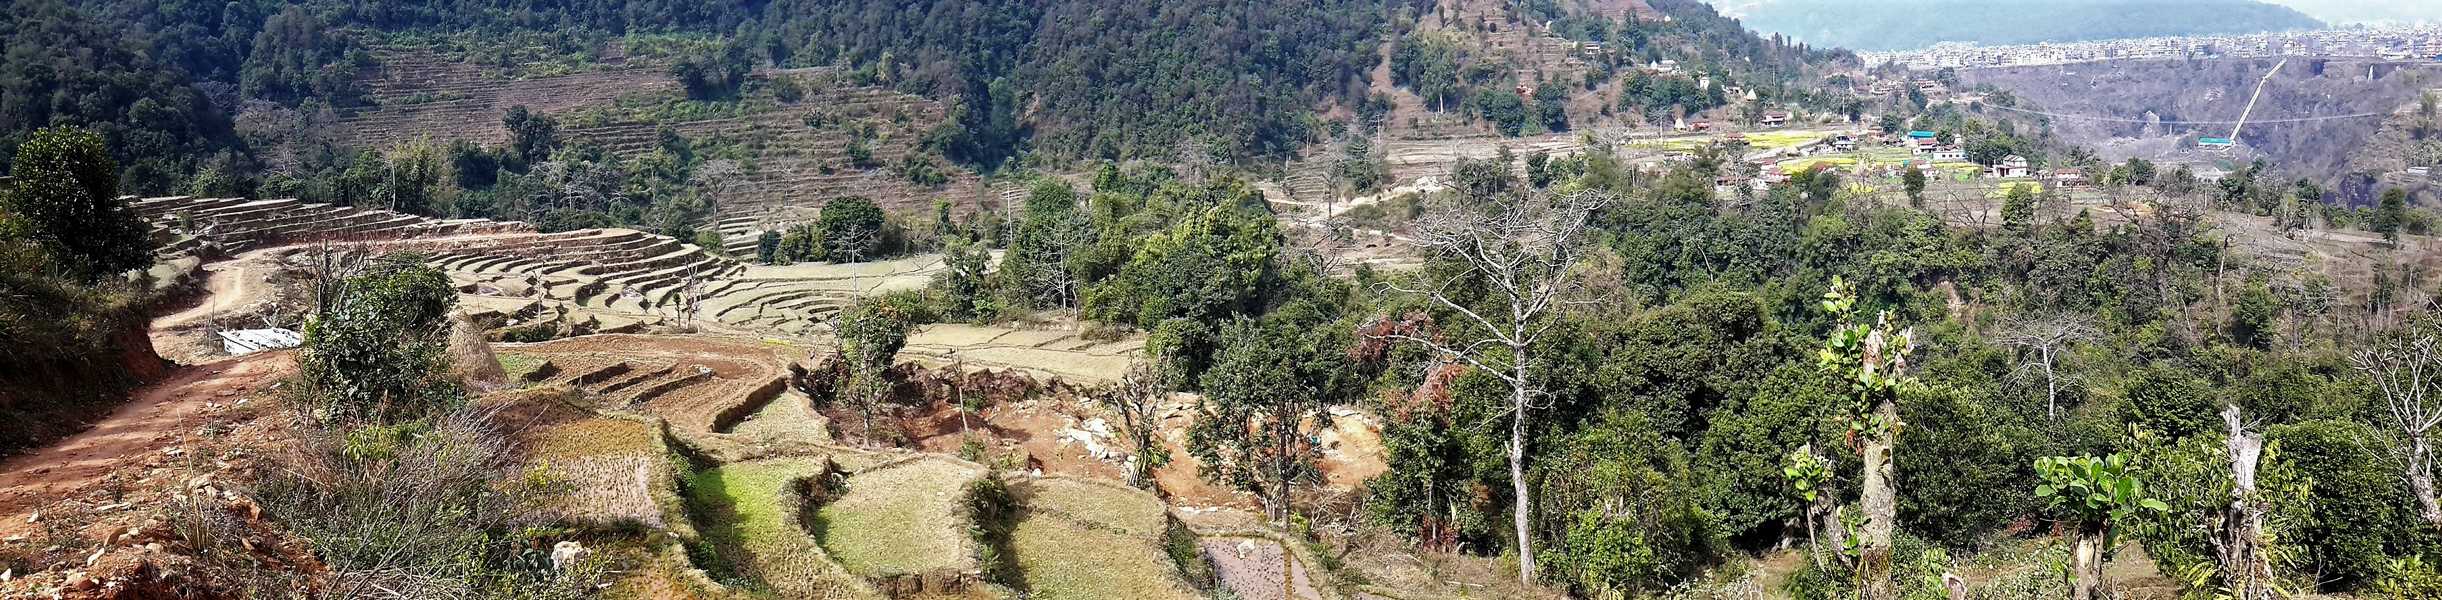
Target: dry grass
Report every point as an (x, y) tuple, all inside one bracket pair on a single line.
[(903, 519), (608, 491), (592, 438)]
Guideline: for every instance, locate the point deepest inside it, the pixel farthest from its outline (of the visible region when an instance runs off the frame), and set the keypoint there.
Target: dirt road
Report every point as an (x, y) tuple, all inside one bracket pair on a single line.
[(158, 416)]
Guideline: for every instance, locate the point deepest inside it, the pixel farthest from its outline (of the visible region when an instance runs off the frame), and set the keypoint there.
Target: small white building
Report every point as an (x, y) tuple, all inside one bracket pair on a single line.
[(2069, 177)]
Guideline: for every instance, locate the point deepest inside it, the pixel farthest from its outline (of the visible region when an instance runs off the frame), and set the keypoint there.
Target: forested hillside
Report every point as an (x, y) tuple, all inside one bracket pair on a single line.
[(1911, 24), (62, 66)]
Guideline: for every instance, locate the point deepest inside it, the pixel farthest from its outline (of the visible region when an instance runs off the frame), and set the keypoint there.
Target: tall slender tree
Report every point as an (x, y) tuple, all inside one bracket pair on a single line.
[(1521, 248)]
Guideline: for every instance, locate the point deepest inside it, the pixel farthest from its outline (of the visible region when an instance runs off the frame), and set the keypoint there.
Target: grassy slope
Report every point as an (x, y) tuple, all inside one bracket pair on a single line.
[(1086, 540), (749, 520), (902, 520)]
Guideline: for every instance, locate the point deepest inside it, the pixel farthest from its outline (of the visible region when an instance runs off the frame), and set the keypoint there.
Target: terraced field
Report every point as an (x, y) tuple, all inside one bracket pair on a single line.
[(904, 521), (183, 225), (773, 506), (423, 95), (750, 515), (697, 383), (1046, 354), (1083, 539)]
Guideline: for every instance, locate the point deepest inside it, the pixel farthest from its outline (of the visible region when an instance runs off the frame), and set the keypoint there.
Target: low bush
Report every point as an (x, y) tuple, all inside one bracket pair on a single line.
[(418, 510)]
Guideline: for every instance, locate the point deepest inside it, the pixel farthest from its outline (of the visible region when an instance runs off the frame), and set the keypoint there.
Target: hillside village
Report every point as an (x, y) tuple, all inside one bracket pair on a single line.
[(2389, 42)]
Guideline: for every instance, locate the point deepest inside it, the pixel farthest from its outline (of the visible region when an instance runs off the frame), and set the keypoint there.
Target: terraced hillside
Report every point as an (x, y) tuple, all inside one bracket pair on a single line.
[(190, 225), (795, 154), (798, 153), (419, 94)]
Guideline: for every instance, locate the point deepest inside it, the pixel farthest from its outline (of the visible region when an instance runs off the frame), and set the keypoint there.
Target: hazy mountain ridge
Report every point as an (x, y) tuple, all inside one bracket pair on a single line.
[(1909, 24)]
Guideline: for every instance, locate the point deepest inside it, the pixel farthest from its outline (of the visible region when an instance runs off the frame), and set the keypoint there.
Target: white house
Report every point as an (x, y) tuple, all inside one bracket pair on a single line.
[(2010, 166)]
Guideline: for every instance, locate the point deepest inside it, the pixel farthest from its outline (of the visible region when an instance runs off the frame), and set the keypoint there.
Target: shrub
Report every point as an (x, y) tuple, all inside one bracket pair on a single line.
[(992, 514), (1963, 474), (2362, 516), (1632, 523), (2170, 401), (1738, 462), (417, 509), (377, 346), (63, 195)]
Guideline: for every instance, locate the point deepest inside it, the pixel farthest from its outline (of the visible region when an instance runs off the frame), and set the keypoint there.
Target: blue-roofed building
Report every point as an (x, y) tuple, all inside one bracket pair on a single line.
[(1922, 135), (2213, 141)]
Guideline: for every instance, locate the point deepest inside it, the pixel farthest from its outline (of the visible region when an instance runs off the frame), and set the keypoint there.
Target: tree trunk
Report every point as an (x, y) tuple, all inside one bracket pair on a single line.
[(2051, 386), (1881, 500), (1517, 483), (2085, 565), (1823, 517), (2242, 556), (2421, 479)]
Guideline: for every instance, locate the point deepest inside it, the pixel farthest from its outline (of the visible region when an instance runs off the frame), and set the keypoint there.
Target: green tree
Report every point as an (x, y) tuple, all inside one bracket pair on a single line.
[(965, 286), (414, 178), (1212, 264), (2018, 210), (1036, 269), (852, 229), (532, 138), (2359, 519), (1912, 179), (2392, 214), (870, 335), (63, 193), (2255, 320), (767, 247), (376, 349), (1552, 106), (1264, 405), (1623, 492), (1506, 111)]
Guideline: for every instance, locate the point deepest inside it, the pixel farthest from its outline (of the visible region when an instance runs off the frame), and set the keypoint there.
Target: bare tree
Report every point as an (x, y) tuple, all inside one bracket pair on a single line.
[(2405, 371), (1137, 398), (1523, 250), (1319, 246), (2046, 337), (1055, 273), (687, 301)]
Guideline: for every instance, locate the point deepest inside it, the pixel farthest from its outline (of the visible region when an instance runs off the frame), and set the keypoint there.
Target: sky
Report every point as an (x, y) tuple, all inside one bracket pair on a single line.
[(2337, 12), (2359, 11)]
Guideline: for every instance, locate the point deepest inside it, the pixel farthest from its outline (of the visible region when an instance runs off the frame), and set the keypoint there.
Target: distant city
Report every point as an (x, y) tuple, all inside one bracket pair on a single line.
[(2417, 42)]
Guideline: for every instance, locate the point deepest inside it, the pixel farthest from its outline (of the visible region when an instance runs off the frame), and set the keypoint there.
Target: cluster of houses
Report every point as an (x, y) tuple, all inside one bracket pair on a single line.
[(1926, 149), (2395, 42)]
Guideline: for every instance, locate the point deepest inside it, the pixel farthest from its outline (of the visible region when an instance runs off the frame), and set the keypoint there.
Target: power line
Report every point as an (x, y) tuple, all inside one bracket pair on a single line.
[(2142, 121)]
